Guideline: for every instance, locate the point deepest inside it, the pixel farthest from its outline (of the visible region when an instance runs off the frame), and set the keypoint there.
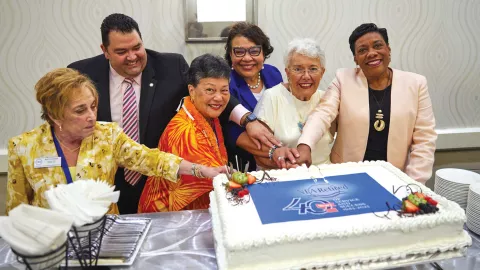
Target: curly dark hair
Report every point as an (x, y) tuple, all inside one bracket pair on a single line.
[(117, 22), (253, 33), (364, 29)]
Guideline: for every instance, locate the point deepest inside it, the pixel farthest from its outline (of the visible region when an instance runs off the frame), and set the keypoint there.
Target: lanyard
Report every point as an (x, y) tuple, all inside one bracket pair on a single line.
[(65, 169)]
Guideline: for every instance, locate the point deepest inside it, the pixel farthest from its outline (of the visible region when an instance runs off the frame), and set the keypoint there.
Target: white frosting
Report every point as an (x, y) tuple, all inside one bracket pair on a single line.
[(357, 241)]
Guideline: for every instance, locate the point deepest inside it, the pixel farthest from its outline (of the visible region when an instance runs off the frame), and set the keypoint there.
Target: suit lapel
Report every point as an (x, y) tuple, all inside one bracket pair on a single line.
[(245, 95), (364, 120), (147, 92), (102, 81), (395, 109), (269, 78)]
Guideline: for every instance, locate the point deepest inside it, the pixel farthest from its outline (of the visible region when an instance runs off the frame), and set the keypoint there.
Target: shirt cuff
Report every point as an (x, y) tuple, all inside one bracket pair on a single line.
[(306, 141), (237, 113)]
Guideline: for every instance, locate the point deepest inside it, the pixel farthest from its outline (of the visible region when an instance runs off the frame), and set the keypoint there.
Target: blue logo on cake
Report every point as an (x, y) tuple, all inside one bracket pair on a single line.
[(315, 207), (325, 190), (305, 199)]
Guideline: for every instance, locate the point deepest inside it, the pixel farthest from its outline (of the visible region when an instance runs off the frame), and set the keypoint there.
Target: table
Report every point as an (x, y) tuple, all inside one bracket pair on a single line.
[(184, 240)]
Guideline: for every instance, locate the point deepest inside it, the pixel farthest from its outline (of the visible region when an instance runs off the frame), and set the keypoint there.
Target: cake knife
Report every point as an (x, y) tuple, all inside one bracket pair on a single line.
[(246, 167)]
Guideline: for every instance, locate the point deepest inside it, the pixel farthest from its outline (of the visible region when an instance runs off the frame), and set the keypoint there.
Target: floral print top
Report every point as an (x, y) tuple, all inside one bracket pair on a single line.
[(99, 157)]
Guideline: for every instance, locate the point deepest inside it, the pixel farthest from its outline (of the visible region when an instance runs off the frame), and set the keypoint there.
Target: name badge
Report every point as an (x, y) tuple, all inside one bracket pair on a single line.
[(47, 162)]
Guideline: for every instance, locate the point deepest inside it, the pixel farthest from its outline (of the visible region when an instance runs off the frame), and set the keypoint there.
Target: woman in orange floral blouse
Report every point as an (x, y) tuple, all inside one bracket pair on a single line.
[(194, 133)]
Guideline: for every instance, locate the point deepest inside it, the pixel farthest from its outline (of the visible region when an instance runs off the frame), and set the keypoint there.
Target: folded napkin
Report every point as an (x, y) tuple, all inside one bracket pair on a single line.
[(70, 199), (33, 230), (85, 200)]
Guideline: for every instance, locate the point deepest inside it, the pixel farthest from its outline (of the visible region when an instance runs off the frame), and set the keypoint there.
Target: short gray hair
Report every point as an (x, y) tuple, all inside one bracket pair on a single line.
[(207, 66), (304, 46)]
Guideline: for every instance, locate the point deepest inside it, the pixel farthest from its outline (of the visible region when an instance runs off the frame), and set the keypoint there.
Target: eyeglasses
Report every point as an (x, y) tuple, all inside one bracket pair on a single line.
[(253, 51), (310, 71)]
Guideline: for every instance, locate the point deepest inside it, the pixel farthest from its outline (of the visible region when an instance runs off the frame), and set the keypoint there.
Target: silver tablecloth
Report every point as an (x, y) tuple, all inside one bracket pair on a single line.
[(184, 240)]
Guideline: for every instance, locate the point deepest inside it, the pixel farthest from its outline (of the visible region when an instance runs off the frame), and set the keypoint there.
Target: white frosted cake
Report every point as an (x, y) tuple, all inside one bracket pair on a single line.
[(247, 238)]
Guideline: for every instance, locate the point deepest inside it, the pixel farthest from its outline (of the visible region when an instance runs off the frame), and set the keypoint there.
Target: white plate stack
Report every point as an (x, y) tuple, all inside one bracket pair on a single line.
[(454, 184), (473, 208)]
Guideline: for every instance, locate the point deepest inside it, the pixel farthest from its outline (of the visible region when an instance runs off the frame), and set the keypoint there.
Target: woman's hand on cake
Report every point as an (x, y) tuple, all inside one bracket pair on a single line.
[(282, 155), (305, 155), (260, 134), (291, 166), (211, 172)]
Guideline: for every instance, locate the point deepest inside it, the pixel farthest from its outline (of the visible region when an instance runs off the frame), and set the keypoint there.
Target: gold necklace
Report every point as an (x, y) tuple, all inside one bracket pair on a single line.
[(66, 147), (379, 124)]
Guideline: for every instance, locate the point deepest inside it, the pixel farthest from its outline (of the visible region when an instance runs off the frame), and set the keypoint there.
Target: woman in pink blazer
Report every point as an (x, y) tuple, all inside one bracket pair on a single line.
[(381, 113)]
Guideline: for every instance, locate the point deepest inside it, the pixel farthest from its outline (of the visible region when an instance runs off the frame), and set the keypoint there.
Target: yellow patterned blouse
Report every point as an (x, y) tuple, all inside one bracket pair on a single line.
[(100, 155)]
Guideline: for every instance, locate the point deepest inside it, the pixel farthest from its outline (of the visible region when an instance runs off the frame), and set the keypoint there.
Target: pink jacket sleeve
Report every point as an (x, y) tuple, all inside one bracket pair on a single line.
[(322, 117), (422, 150)]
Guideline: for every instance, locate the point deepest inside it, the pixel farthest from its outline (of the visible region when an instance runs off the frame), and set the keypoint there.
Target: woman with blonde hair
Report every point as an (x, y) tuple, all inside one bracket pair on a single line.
[(71, 145)]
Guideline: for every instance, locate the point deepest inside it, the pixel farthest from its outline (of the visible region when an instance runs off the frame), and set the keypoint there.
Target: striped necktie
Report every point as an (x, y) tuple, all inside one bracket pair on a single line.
[(130, 124)]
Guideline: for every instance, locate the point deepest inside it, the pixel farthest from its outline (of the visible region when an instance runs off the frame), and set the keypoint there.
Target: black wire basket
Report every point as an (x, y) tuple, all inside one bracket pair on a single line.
[(52, 259), (85, 243)]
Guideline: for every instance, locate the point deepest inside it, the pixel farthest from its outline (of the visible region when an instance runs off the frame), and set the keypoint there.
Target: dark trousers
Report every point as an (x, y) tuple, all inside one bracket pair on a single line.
[(129, 195)]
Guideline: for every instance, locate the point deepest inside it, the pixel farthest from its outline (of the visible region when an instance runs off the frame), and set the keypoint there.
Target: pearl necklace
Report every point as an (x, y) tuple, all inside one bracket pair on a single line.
[(256, 85)]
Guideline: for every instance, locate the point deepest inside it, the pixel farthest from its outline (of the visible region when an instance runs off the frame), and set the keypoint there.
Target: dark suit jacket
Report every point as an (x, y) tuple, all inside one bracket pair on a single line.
[(163, 85)]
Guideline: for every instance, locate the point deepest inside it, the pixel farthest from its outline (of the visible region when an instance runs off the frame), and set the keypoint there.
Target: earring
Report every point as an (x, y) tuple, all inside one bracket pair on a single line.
[(60, 127), (232, 67), (263, 66)]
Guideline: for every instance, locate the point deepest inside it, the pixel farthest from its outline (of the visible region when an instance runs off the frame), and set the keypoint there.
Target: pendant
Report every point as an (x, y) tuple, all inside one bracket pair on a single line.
[(379, 124), (300, 126)]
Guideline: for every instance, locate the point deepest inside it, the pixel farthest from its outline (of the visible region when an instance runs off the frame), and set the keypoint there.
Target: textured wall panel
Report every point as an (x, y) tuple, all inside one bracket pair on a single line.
[(437, 38)]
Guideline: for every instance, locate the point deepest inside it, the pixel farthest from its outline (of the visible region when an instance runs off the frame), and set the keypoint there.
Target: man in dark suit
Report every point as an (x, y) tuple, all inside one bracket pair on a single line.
[(159, 83)]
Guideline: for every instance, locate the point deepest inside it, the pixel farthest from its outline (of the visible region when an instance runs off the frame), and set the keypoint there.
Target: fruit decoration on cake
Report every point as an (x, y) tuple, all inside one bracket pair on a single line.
[(415, 203), (237, 186), (418, 203)]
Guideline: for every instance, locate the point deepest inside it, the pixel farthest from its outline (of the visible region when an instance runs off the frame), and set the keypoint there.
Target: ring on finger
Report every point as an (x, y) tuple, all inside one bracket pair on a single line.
[(280, 158)]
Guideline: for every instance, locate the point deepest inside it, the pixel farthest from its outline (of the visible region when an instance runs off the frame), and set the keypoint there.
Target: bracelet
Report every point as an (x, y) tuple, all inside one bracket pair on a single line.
[(196, 171), (193, 169), (270, 152)]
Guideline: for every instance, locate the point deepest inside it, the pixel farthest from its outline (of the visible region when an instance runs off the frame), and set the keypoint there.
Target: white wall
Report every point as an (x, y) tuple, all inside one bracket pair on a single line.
[(437, 38), (3, 193)]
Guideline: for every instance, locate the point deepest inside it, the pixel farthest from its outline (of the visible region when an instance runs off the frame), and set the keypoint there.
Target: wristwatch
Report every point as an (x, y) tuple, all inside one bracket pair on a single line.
[(250, 118)]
